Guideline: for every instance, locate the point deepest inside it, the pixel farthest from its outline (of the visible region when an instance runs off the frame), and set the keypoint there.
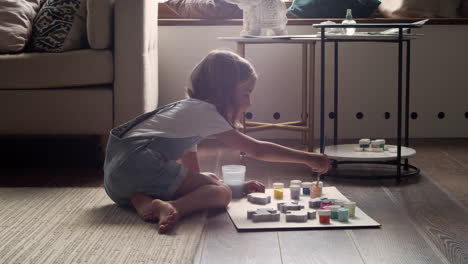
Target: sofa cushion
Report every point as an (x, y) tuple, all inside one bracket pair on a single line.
[(49, 70), (88, 110), (59, 26), (333, 8), (16, 18), (99, 23)]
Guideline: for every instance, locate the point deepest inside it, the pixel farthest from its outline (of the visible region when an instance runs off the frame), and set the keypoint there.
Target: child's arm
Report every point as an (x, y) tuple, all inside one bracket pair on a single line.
[(269, 151), (190, 161)]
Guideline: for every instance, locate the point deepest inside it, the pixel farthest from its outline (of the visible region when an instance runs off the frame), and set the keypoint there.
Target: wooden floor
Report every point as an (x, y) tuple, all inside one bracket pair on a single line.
[(424, 219)]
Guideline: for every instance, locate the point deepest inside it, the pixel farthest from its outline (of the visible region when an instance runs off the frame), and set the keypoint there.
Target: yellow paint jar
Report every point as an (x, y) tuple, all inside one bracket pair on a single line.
[(278, 190), (351, 207)]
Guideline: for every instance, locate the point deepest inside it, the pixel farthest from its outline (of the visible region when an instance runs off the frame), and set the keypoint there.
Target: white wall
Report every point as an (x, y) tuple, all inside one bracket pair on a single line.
[(368, 79)]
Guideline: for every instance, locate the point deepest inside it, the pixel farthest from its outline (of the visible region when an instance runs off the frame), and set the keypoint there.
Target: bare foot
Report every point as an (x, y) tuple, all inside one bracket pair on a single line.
[(152, 210), (166, 213)]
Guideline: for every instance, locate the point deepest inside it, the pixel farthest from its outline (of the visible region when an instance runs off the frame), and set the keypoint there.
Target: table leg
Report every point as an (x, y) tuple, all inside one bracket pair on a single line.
[(241, 49), (400, 84), (407, 97), (241, 52), (335, 95), (304, 91), (322, 91), (311, 88)]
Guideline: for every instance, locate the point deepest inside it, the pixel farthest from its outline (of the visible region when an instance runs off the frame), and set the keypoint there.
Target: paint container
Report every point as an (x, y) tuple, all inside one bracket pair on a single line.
[(325, 203), (306, 188), (375, 144), (237, 189), (295, 182), (278, 190), (343, 214), (315, 203), (234, 177), (338, 202), (352, 208), (381, 143), (295, 191), (378, 144), (364, 143), (324, 216), (334, 210), (316, 191)]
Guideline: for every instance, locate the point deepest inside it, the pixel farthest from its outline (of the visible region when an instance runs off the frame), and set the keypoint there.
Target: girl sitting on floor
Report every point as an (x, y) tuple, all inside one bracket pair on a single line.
[(151, 161)]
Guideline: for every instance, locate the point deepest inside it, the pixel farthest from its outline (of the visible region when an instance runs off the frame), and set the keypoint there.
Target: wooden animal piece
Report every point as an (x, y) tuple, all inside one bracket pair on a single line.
[(315, 203), (259, 198), (263, 215), (292, 206), (297, 216), (311, 214)]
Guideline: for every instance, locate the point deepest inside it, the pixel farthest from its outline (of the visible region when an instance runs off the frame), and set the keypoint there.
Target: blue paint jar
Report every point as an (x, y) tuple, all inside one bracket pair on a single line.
[(306, 188), (343, 214)]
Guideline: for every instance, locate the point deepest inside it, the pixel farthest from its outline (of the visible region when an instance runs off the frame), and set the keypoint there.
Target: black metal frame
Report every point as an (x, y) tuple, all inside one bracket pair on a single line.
[(414, 170)]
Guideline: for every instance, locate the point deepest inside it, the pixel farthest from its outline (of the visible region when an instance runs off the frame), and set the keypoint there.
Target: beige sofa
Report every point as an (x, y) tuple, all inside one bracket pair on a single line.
[(86, 91)]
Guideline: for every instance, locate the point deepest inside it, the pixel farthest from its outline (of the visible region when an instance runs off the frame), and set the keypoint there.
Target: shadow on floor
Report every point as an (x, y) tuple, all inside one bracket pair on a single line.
[(50, 152)]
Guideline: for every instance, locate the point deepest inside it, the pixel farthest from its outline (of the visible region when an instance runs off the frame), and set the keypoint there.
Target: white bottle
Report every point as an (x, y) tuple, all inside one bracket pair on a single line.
[(349, 20)]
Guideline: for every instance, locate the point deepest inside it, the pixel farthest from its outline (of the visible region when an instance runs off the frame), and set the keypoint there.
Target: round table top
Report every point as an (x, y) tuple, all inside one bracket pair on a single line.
[(348, 152)]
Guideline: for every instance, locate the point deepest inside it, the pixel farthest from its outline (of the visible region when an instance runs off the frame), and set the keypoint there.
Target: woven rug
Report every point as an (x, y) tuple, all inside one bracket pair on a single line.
[(82, 225)]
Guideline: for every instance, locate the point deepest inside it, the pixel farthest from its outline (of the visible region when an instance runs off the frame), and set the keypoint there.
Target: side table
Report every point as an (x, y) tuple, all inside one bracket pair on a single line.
[(343, 154), (306, 123)]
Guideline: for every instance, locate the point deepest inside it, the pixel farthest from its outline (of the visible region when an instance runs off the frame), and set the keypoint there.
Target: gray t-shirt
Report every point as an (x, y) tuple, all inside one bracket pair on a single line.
[(179, 128)]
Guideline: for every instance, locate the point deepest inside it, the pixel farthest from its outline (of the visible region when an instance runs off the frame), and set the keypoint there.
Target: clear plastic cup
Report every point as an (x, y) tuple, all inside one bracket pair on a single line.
[(234, 177)]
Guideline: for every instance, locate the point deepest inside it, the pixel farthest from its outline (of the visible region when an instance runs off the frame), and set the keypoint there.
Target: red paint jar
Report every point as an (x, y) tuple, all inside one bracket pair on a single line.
[(324, 216)]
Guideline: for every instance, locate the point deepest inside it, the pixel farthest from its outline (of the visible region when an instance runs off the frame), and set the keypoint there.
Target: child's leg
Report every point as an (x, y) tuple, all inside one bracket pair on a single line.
[(201, 191), (198, 191)]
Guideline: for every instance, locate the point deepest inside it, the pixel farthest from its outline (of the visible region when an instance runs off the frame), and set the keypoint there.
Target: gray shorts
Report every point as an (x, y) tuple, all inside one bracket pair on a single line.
[(134, 164), (144, 171)]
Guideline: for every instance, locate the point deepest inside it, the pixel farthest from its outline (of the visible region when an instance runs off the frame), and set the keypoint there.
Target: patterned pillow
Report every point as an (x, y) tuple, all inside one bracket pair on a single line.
[(204, 9), (59, 26)]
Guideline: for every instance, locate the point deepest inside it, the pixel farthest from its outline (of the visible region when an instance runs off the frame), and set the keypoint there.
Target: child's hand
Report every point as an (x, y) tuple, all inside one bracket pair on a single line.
[(253, 186), (320, 163)]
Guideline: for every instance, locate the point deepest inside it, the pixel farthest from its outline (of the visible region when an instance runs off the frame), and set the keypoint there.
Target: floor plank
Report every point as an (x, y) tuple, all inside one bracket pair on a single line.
[(208, 157), (320, 246), (222, 243), (309, 246), (446, 165), (397, 241), (438, 218)]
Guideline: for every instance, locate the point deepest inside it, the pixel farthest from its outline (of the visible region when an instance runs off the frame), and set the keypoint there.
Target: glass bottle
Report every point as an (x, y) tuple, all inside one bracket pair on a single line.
[(349, 20)]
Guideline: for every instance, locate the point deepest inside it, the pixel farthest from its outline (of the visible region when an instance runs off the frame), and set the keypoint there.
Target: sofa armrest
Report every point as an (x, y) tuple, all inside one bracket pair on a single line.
[(135, 58)]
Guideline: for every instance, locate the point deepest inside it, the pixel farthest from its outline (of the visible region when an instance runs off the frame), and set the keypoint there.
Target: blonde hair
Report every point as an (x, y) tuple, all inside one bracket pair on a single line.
[(216, 78)]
